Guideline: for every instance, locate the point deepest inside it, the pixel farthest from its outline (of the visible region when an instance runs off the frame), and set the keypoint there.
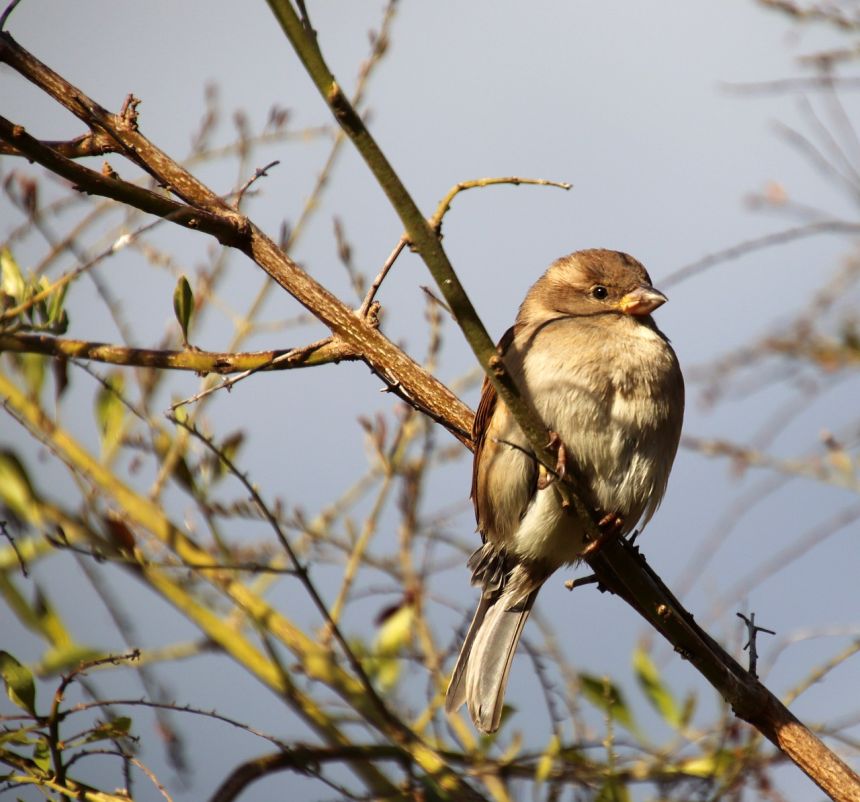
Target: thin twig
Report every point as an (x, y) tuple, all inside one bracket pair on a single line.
[(260, 172), (751, 645)]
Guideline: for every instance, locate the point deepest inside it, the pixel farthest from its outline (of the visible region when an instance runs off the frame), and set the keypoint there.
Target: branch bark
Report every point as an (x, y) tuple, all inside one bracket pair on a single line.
[(321, 353)]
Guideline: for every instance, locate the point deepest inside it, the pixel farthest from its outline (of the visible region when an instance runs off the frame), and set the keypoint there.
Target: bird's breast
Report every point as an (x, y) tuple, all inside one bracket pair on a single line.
[(607, 400)]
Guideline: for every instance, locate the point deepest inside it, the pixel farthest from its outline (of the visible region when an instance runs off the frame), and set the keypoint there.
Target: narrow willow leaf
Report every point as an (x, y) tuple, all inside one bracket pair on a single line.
[(394, 635), (109, 730), (655, 690), (56, 313), (603, 693), (16, 492), (547, 759), (110, 411), (66, 658), (613, 790), (11, 279), (715, 766), (33, 369), (42, 756), (396, 632), (183, 305), (20, 687)]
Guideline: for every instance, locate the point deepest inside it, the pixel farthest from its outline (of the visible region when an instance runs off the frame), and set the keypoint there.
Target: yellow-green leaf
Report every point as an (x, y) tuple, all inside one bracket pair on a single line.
[(20, 687), (42, 755), (57, 660), (396, 632), (16, 492), (183, 305), (109, 730), (33, 369), (655, 690), (11, 279), (613, 791), (110, 411), (58, 320), (547, 759), (603, 693), (716, 765)]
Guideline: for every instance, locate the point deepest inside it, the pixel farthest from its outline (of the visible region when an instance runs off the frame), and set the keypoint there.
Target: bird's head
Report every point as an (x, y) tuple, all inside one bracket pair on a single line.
[(589, 283)]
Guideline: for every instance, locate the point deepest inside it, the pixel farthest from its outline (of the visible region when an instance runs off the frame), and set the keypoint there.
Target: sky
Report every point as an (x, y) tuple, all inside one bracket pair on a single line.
[(637, 105)]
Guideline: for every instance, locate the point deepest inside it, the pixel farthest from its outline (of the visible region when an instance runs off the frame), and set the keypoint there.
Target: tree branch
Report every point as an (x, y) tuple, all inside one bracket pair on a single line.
[(618, 565), (320, 353)]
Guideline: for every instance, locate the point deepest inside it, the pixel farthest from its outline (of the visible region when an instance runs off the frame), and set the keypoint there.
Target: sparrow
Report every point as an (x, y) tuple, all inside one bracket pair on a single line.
[(588, 356)]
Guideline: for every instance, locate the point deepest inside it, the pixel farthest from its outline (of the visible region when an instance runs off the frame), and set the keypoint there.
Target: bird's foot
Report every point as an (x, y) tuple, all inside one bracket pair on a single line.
[(545, 478), (610, 526)]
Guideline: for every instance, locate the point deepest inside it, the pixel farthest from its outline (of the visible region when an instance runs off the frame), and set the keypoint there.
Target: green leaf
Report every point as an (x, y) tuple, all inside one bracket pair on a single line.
[(396, 632), (547, 759), (715, 766), (603, 693), (33, 369), (649, 679), (57, 318), (229, 448), (183, 305), (109, 730), (16, 492), (613, 791), (11, 279), (386, 671), (20, 687), (42, 756), (65, 658), (110, 411)]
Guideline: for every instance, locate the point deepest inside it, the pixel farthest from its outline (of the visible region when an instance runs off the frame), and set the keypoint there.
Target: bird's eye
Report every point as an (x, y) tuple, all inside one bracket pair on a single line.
[(599, 292)]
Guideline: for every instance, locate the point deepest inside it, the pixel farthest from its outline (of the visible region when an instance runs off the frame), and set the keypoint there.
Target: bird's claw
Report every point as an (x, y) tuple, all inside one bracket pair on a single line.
[(555, 444), (610, 526)]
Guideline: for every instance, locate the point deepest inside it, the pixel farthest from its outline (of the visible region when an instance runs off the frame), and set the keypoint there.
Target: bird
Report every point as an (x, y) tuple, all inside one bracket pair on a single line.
[(586, 353)]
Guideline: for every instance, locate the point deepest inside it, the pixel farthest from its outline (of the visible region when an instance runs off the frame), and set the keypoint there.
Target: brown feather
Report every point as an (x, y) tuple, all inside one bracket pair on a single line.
[(486, 407)]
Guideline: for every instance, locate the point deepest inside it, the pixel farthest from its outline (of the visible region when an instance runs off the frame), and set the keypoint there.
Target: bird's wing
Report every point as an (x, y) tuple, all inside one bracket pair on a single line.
[(497, 461)]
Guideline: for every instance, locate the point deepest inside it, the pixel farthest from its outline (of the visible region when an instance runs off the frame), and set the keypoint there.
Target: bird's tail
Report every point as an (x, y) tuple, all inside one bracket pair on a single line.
[(481, 674)]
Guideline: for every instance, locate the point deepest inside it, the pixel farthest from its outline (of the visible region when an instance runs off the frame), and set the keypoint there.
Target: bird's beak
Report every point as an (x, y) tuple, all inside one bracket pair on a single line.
[(642, 301)]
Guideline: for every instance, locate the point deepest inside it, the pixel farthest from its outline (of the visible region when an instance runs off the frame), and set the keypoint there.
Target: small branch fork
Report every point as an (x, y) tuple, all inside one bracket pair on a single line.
[(753, 629)]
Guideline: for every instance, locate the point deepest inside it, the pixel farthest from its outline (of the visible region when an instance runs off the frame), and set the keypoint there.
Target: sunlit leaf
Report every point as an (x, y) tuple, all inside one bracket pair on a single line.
[(109, 730), (547, 759), (50, 623), (716, 765), (613, 790), (110, 411), (66, 658), (56, 314), (21, 737), (11, 279), (16, 492), (33, 369), (603, 693), (20, 687), (396, 632), (386, 671), (655, 689), (183, 305), (394, 635), (42, 755), (230, 448)]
